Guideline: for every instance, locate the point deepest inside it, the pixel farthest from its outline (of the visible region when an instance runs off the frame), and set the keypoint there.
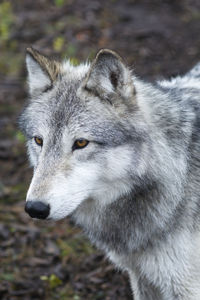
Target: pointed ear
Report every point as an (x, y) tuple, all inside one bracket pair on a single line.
[(42, 71), (109, 77)]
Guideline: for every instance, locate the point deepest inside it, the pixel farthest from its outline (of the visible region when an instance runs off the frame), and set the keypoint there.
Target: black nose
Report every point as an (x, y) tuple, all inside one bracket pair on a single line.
[(37, 209)]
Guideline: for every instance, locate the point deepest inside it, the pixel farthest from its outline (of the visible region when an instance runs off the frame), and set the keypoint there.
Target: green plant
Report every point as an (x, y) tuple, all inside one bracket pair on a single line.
[(6, 20), (52, 280), (59, 3)]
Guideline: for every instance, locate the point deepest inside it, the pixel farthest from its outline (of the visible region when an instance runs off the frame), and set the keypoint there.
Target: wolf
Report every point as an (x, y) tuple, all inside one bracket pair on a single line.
[(121, 157)]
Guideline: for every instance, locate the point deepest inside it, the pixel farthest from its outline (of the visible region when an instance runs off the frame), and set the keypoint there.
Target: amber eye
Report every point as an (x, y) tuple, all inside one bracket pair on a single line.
[(79, 144), (38, 141)]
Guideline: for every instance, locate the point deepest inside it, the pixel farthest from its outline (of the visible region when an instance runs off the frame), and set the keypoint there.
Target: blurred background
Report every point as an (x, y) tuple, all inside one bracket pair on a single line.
[(42, 260)]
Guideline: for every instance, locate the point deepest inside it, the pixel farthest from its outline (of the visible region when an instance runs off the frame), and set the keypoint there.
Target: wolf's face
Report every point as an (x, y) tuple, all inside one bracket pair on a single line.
[(78, 133)]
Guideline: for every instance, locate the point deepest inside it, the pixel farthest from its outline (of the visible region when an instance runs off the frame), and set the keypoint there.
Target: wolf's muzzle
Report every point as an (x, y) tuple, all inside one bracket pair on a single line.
[(37, 209)]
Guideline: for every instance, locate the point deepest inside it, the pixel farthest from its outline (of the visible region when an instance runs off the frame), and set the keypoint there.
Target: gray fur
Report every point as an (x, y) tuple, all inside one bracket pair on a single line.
[(144, 213)]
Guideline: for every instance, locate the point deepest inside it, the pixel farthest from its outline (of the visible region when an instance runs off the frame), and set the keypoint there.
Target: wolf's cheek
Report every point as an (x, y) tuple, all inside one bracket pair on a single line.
[(67, 193)]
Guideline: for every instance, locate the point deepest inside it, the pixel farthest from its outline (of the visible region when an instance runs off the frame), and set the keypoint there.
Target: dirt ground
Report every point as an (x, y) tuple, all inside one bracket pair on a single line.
[(46, 260)]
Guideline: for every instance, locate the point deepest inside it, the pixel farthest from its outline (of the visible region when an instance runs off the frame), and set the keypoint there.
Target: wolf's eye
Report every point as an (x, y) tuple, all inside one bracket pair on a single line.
[(79, 144), (38, 141)]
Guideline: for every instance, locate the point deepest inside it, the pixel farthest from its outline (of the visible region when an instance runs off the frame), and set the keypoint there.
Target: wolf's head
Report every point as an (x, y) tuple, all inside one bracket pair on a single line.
[(84, 133)]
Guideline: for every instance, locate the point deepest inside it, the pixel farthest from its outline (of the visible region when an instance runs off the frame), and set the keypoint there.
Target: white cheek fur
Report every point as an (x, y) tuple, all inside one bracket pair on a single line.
[(68, 192)]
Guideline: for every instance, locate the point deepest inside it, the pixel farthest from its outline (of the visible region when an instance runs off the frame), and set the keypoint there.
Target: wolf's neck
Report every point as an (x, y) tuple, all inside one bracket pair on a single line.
[(128, 224)]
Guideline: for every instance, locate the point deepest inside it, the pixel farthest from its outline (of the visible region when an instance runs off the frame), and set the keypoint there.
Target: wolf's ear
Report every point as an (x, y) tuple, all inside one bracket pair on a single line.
[(108, 76), (42, 71)]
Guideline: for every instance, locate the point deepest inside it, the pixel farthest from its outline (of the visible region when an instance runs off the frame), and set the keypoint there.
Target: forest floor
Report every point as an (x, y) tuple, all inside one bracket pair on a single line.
[(47, 260)]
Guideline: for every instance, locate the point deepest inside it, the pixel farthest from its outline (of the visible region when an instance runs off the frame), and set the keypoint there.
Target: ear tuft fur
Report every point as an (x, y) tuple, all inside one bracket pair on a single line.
[(42, 71)]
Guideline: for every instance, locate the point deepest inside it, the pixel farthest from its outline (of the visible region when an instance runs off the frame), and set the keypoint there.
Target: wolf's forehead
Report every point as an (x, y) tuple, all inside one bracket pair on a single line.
[(62, 107)]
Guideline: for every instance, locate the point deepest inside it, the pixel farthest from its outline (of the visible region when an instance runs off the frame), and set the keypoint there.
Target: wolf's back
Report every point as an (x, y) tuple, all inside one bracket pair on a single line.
[(195, 72)]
